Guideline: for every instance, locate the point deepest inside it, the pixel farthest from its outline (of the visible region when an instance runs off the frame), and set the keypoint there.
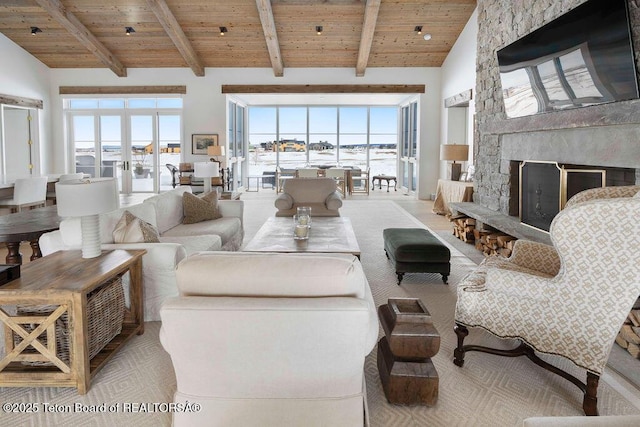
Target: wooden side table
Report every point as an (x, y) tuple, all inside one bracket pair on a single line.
[(404, 354), (380, 178), (451, 192), (64, 279)]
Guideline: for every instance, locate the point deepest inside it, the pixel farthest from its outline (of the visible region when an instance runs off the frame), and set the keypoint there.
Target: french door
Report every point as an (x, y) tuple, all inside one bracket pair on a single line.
[(133, 147), (409, 148)]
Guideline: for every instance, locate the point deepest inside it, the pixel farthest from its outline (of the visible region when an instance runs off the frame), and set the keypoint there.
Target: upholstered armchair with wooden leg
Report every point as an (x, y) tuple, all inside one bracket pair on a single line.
[(568, 300)]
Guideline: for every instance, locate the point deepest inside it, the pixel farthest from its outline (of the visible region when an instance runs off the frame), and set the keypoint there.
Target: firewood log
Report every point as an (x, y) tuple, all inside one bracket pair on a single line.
[(629, 335), (634, 350)]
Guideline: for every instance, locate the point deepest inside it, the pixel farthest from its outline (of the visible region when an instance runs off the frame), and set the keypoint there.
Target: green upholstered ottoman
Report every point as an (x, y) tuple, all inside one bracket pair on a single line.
[(416, 250)]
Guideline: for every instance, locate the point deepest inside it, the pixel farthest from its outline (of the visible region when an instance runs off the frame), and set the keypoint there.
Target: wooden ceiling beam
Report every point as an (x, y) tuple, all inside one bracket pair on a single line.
[(371, 10), (175, 33), (382, 88), (76, 28), (270, 36), (120, 90)]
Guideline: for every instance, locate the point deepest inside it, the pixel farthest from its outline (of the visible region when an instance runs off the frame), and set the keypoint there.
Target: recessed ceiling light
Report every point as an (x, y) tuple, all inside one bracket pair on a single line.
[(223, 30), (418, 29), (319, 29), (129, 30), (35, 30)]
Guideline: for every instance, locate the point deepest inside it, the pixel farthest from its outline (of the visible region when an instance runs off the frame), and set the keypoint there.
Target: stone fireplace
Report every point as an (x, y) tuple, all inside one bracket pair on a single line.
[(602, 136)]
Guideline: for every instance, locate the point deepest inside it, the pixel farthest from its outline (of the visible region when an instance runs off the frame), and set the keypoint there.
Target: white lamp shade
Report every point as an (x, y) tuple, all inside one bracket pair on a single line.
[(86, 197), (454, 152), (206, 169)]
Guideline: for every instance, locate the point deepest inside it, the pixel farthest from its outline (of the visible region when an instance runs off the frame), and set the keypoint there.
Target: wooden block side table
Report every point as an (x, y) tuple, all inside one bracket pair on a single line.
[(63, 280), (404, 354)]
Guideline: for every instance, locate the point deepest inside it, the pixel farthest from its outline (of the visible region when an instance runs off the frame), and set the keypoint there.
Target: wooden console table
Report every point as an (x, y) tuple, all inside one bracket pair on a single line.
[(64, 279), (449, 192)]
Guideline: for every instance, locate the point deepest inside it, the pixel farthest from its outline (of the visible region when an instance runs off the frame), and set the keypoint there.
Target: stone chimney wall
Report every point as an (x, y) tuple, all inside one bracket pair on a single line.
[(602, 135)]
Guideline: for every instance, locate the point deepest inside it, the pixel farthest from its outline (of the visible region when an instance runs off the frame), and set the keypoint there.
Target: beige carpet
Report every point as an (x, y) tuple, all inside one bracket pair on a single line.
[(487, 391)]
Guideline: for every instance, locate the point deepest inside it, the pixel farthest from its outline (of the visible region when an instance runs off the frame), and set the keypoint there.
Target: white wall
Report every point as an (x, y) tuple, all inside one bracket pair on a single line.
[(459, 75), (205, 105), (24, 76)]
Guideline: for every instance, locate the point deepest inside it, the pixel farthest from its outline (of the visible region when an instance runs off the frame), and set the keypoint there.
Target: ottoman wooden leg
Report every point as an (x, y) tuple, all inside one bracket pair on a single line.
[(444, 278), (399, 277)]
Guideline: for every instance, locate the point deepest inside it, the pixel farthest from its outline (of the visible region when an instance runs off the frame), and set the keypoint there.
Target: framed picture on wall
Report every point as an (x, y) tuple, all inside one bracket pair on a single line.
[(200, 142)]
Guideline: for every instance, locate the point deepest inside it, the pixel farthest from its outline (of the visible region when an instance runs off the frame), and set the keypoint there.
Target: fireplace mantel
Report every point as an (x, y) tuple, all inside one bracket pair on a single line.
[(611, 114)]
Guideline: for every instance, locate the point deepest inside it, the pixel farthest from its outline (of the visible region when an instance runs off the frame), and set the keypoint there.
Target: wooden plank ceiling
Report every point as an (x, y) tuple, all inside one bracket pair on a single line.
[(277, 34)]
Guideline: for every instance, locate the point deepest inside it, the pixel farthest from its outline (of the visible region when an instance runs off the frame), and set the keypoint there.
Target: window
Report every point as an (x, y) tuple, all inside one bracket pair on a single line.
[(131, 139), (321, 136)]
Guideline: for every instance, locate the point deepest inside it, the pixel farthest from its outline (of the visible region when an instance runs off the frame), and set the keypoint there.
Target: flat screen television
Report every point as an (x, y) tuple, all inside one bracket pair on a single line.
[(584, 57)]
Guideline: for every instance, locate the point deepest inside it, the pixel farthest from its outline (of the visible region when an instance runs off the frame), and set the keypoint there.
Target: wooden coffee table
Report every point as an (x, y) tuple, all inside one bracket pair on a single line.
[(327, 235)]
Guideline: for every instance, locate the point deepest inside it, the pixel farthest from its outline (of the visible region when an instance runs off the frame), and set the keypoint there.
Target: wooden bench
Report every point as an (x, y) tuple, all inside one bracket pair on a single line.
[(416, 250)]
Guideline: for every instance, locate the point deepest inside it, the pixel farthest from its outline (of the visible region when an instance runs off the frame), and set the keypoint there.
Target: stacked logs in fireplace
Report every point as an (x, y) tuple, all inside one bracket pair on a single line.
[(629, 335)]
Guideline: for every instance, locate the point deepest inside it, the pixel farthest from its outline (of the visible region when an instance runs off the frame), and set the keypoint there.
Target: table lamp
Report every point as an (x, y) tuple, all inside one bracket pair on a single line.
[(87, 198), (217, 151), (206, 170), (454, 152)]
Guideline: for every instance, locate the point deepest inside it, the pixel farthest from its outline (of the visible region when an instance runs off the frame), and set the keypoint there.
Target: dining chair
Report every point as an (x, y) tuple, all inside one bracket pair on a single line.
[(308, 172), (339, 175), (281, 176), (27, 193), (174, 170), (359, 181), (51, 195)]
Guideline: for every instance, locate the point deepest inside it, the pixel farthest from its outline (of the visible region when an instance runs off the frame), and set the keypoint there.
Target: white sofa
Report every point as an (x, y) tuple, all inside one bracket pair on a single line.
[(270, 339), (177, 240)]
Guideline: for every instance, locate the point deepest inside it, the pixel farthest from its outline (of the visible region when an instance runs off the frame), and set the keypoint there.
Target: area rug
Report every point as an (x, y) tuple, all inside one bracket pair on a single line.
[(487, 391)]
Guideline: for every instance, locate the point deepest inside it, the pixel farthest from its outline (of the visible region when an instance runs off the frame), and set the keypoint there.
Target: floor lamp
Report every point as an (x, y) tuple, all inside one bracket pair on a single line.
[(454, 152), (206, 170), (87, 199)]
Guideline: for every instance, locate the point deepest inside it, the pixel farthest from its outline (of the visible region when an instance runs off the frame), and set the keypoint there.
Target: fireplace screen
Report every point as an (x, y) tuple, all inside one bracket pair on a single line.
[(545, 188), (540, 194)]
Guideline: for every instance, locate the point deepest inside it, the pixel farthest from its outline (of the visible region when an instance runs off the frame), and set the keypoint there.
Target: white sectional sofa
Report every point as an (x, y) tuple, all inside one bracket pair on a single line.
[(177, 240)]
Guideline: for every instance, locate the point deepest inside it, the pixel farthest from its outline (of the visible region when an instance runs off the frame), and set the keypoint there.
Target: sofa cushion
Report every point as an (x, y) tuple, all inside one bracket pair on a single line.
[(200, 208), (333, 201), (131, 229), (194, 244), (225, 227), (306, 190), (281, 275), (109, 220), (169, 211), (284, 201)]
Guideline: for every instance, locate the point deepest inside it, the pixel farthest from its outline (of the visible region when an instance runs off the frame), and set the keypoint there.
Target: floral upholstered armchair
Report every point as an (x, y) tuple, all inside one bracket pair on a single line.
[(569, 299)]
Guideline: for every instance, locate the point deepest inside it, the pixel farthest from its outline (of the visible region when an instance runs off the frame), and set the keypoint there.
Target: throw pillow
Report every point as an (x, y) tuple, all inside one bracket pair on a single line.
[(200, 208), (131, 229)]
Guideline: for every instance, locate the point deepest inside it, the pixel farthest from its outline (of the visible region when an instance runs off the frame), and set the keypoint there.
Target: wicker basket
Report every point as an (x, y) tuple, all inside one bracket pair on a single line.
[(105, 315)]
